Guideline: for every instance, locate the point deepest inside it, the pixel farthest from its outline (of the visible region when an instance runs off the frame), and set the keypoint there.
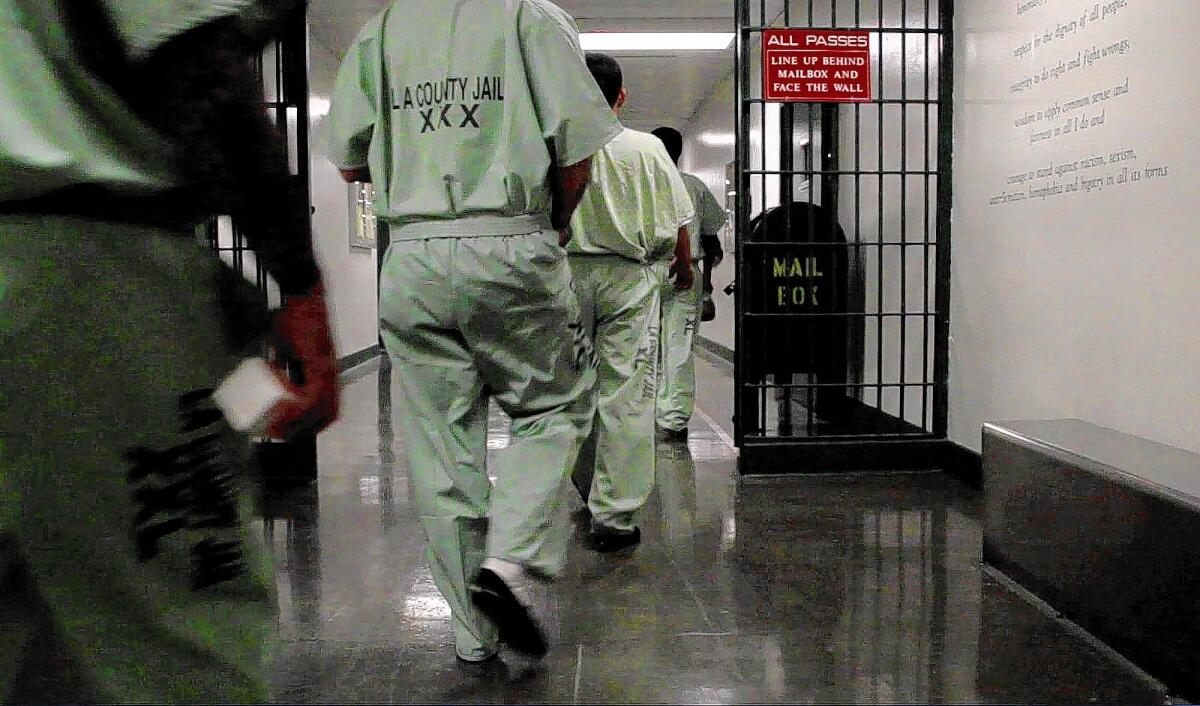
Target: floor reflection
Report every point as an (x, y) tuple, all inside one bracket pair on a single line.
[(861, 589), (860, 570)]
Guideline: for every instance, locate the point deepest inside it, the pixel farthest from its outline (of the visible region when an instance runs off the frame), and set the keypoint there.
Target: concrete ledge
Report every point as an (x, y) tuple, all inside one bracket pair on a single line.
[(1104, 527)]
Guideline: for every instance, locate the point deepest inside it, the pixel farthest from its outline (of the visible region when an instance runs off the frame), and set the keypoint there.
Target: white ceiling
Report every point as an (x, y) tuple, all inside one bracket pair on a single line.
[(664, 88)]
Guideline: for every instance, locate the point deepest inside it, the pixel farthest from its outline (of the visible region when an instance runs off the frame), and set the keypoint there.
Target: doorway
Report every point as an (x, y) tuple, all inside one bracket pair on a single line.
[(843, 247)]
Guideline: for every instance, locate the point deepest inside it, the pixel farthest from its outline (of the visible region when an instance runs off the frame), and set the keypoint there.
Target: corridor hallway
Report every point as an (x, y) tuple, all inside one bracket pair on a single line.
[(786, 590)]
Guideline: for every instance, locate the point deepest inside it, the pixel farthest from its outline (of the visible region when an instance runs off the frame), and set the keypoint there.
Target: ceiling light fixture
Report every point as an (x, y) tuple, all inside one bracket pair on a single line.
[(656, 41), (718, 139)]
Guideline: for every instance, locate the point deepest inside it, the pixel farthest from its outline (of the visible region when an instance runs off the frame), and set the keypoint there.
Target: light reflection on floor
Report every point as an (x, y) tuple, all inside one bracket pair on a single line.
[(863, 589)]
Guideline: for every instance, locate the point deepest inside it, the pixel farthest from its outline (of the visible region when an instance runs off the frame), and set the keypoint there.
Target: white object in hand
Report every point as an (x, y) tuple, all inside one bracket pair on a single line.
[(249, 394)]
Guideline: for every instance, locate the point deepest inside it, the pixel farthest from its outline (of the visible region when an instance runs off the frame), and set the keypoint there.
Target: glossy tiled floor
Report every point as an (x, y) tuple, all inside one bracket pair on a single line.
[(798, 590)]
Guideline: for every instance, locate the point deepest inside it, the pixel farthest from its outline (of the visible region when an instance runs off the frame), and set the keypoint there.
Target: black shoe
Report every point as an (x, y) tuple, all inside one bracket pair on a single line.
[(518, 628), (606, 541), (491, 672)]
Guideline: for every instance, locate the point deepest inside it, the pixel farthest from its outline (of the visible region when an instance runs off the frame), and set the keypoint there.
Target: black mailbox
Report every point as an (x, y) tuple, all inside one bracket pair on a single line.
[(797, 299)]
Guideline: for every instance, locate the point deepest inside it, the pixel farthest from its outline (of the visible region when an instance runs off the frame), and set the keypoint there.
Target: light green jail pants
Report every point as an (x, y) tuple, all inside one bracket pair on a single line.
[(142, 578), (621, 301), (465, 319), (677, 374)]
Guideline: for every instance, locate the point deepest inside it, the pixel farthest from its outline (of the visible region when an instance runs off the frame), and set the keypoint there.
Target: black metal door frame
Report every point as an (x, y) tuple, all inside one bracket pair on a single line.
[(285, 97), (907, 446), (283, 70)]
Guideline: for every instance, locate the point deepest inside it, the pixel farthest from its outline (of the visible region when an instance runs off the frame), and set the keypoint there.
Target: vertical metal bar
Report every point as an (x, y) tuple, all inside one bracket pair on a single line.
[(767, 392), (295, 61), (903, 206), (858, 241), (925, 238), (810, 236), (741, 216), (831, 152), (787, 190), (941, 363), (831, 147), (882, 254), (280, 96), (812, 327), (239, 249)]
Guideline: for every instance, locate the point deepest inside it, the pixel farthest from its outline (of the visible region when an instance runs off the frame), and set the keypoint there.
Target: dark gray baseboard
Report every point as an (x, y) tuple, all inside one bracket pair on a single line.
[(719, 350), (964, 464), (356, 359)]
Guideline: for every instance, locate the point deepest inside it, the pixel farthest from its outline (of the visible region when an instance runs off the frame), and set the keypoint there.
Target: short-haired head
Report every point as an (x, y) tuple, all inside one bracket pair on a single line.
[(672, 139), (607, 73)]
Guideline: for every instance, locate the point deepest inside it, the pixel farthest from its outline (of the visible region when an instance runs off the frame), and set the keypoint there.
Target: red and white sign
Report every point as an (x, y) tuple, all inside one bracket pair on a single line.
[(816, 66)]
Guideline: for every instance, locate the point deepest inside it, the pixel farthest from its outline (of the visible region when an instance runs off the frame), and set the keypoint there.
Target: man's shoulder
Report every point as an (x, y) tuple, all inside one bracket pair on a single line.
[(545, 10), (639, 139), (632, 143), (372, 29)]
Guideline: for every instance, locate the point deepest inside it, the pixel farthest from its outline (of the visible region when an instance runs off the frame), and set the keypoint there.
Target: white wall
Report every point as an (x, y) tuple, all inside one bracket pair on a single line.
[(708, 148), (1077, 304), (350, 273)]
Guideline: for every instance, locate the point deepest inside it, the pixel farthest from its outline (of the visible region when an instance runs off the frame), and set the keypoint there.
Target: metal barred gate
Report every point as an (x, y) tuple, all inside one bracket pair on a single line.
[(283, 68), (843, 246)]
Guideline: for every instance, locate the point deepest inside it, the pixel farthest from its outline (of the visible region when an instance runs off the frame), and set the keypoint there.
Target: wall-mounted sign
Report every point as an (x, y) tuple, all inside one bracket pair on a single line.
[(364, 228), (816, 66)]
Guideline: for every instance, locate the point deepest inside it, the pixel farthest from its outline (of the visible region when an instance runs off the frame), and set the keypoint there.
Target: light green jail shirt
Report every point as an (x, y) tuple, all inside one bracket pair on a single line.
[(460, 108), (710, 217), (636, 203), (59, 125)]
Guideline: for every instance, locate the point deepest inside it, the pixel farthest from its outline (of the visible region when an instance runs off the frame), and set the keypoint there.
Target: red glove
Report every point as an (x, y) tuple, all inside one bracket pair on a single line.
[(685, 278), (302, 335)]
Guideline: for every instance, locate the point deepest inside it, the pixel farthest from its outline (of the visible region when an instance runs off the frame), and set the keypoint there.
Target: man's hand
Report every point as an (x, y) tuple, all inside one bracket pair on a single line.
[(359, 175), (302, 333), (681, 265), (568, 184), (683, 274)]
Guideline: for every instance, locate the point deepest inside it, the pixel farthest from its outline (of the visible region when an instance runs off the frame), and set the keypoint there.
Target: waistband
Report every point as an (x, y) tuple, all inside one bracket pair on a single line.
[(473, 227), (608, 258)]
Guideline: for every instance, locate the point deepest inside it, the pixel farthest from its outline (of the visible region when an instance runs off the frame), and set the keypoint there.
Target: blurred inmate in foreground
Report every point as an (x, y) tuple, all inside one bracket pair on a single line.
[(132, 572)]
